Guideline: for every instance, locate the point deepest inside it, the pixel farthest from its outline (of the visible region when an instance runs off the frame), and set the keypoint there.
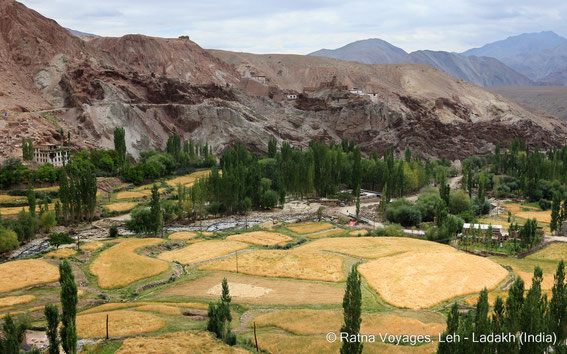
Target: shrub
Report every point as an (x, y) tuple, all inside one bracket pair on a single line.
[(480, 208), (8, 240), (113, 231), (60, 238), (389, 230), (544, 204), (405, 215), (140, 220), (47, 220), (427, 204), (459, 202)]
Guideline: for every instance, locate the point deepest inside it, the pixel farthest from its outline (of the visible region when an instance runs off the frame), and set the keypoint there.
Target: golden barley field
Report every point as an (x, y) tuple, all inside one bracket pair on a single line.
[(326, 233), (281, 343), (15, 300), (553, 252), (323, 321), (516, 207), (198, 342), (540, 216), (19, 274), (61, 253), (207, 233), (189, 179), (119, 265), (120, 323), (422, 279), (309, 228), (17, 210), (92, 245), (130, 195), (283, 264), (5, 198), (262, 238), (47, 189), (524, 268), (472, 300), (182, 235), (148, 305), (362, 232), (121, 207), (202, 251), (372, 247), (160, 308)]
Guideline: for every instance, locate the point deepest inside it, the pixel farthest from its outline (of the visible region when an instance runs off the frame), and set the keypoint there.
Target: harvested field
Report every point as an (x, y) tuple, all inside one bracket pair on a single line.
[(15, 300), (284, 292), (61, 253), (540, 216), (326, 233), (92, 246), (188, 180), (119, 265), (309, 228), (284, 264), (160, 308), (202, 251), (362, 232), (120, 207), (280, 343), (120, 323), (261, 238), (130, 195), (240, 290), (182, 235), (419, 280), (182, 342), (19, 274), (324, 321), (553, 252), (372, 247)]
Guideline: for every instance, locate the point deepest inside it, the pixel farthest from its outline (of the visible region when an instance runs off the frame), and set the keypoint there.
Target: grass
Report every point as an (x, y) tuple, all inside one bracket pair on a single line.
[(524, 268), (262, 238), (309, 228), (422, 279), (274, 292), (283, 264), (180, 342), (61, 253), (372, 247), (202, 251), (92, 246), (120, 323), (306, 321), (121, 207), (120, 266), (553, 252), (182, 235), (19, 274), (15, 300)]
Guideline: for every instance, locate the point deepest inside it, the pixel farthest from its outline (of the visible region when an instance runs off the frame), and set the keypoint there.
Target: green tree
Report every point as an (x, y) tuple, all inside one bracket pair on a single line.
[(52, 316), (272, 147), (8, 240), (120, 144), (156, 217), (352, 302), (452, 328), (31, 200), (69, 299), (12, 337), (555, 224), (557, 314)]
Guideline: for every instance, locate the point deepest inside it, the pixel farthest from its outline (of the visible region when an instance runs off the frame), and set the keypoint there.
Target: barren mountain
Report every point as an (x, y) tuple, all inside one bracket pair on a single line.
[(155, 87), (550, 99), (481, 71)]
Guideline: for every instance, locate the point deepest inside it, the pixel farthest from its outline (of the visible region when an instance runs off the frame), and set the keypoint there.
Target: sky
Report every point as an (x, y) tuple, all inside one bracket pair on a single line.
[(304, 26)]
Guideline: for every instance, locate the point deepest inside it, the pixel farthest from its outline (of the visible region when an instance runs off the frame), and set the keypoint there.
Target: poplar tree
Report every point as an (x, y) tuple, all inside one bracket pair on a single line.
[(68, 330), (156, 218), (31, 200), (272, 147), (52, 317), (555, 224), (557, 314), (352, 302), (120, 144)]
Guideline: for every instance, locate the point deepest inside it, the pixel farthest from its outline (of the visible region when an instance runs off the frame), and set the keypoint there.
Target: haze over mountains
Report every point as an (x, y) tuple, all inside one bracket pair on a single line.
[(527, 59), (156, 87)]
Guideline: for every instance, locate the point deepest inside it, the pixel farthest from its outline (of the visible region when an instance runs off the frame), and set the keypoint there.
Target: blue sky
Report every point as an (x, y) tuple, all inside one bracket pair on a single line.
[(301, 27)]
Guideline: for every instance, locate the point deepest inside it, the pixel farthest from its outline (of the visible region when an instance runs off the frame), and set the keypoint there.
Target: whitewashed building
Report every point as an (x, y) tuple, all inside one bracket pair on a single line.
[(56, 155)]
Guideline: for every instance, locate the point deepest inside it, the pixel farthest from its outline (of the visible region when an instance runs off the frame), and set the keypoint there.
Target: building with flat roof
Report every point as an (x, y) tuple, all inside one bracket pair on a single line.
[(57, 155)]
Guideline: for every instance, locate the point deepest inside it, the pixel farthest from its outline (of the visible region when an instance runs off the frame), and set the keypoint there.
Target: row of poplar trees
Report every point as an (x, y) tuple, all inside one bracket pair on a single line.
[(77, 192)]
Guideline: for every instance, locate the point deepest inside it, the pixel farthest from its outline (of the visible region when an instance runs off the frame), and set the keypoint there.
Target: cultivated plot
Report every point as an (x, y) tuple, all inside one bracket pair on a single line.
[(182, 235), (19, 274), (203, 251), (120, 323), (309, 228), (372, 247), (422, 279), (120, 266), (61, 253), (283, 264), (255, 290), (262, 238)]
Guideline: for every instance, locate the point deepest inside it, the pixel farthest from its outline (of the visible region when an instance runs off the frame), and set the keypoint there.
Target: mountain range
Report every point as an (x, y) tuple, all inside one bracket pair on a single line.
[(527, 59), (155, 87)]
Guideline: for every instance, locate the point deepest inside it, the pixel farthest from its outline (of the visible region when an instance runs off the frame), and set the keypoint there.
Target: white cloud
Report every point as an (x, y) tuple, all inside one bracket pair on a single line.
[(304, 26)]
